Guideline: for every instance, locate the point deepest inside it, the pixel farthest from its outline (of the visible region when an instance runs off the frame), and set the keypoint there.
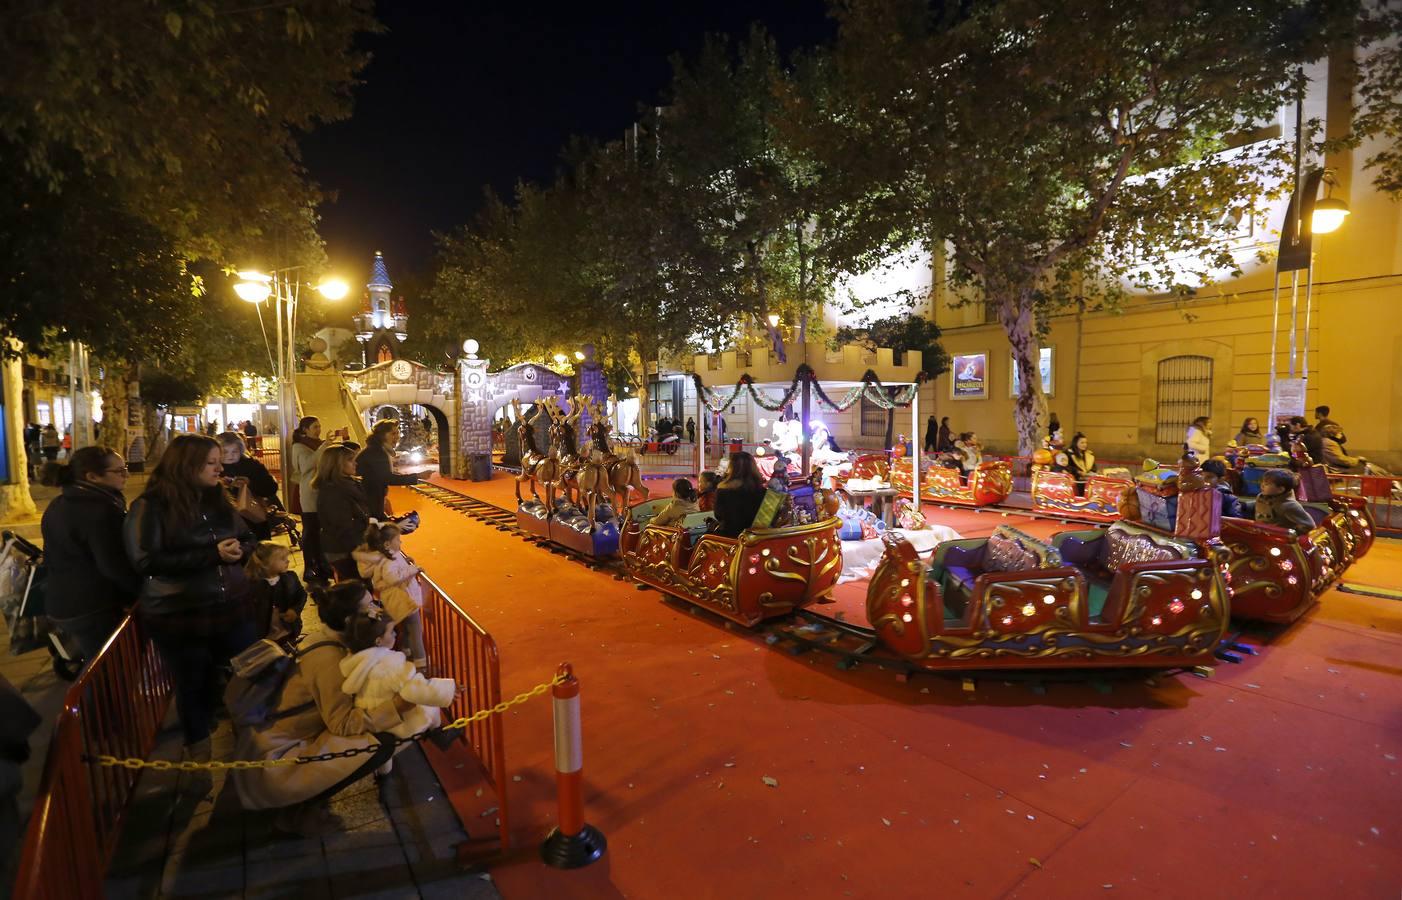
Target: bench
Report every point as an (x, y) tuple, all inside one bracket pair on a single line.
[(958, 564), (1100, 554)]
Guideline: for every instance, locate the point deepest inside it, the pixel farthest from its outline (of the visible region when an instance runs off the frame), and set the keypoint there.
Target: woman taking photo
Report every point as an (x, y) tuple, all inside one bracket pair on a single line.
[(738, 497), (91, 582), (306, 442), (375, 468), (239, 469), (342, 509), (184, 536)]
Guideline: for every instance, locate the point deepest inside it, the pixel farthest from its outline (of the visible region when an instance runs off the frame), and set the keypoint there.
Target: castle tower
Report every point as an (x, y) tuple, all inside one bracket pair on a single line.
[(383, 321)]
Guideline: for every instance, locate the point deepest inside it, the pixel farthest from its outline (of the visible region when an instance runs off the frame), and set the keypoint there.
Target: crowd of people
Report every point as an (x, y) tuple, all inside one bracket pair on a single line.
[(192, 559)]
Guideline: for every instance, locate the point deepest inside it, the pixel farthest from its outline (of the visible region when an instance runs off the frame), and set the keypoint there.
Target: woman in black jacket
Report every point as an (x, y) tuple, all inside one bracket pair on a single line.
[(91, 582), (375, 469), (738, 497), (342, 508), (184, 536), (261, 484)]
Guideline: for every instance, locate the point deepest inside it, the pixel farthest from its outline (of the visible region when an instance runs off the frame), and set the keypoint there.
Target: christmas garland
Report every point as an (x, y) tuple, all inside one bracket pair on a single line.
[(870, 387)]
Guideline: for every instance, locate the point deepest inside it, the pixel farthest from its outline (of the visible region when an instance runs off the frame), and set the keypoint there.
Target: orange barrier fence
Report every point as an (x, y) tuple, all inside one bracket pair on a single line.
[(460, 649), (1383, 494), (115, 707)]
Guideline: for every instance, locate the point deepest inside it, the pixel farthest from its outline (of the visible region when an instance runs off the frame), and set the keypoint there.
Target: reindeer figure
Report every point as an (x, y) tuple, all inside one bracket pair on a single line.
[(563, 448), (593, 476), (533, 459), (624, 472)]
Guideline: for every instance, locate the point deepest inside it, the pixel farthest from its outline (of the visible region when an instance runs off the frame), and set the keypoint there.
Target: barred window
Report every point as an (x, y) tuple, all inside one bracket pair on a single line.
[(873, 419), (1184, 393)]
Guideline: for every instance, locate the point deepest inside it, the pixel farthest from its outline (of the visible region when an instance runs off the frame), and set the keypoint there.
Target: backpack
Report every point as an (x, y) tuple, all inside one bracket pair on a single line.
[(260, 673)]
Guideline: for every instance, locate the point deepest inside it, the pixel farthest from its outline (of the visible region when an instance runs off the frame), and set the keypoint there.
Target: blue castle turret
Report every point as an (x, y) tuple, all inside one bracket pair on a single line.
[(383, 321)]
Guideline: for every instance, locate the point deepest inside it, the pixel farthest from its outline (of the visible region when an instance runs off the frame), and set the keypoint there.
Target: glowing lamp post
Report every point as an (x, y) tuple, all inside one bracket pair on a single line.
[(282, 285)]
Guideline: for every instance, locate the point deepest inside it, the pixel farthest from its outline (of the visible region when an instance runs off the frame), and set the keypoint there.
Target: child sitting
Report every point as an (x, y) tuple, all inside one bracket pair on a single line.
[(1276, 504), (683, 504), (277, 595), (1214, 471), (706, 491), (375, 673), (394, 578)]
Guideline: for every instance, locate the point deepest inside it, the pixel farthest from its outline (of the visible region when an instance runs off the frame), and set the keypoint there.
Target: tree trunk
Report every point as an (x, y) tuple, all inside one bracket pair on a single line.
[(644, 418), (1030, 409), (15, 500)]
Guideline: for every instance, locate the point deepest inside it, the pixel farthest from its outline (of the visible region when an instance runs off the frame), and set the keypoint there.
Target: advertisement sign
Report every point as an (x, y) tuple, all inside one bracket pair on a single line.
[(1287, 399), (1044, 363), (969, 377)]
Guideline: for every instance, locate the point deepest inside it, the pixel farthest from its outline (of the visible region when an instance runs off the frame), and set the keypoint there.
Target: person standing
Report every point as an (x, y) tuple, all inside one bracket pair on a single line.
[(184, 536), (1199, 438), (342, 508), (932, 435), (49, 442), (376, 470), (944, 440), (691, 429), (306, 452), (1250, 433), (91, 582), (240, 468)]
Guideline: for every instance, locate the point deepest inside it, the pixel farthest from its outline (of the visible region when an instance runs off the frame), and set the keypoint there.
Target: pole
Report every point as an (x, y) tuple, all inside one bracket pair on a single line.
[(698, 446), (281, 287), (1309, 304), (916, 440), (807, 430), (573, 842)]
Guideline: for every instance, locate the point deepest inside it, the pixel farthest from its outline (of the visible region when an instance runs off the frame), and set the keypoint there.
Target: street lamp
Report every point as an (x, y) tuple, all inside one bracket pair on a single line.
[(561, 359), (285, 287), (1328, 215)]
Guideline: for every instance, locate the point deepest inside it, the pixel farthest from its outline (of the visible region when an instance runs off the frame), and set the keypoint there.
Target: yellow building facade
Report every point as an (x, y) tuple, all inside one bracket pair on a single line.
[(1126, 377)]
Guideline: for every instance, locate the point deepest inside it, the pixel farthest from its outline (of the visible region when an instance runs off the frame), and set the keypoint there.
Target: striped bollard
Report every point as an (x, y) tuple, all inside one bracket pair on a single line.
[(573, 842)]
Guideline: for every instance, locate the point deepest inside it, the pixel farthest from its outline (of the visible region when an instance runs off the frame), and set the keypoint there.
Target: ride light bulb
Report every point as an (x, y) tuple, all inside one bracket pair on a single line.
[(1177, 607), (1287, 565), (753, 570), (1292, 580), (907, 617), (1156, 620), (1196, 595), (764, 552), (1049, 599), (906, 600), (754, 557), (1029, 610), (1275, 551), (1007, 620)]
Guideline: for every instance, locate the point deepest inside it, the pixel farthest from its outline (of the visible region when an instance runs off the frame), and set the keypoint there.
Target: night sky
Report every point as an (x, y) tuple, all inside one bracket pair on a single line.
[(464, 96)]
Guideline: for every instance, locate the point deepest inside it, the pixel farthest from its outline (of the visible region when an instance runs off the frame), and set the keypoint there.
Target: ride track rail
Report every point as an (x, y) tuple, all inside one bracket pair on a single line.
[(850, 644)]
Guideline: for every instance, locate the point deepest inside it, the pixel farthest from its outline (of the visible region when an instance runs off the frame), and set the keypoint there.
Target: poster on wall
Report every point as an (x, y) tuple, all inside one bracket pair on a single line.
[(1044, 364), (969, 377), (1287, 399)]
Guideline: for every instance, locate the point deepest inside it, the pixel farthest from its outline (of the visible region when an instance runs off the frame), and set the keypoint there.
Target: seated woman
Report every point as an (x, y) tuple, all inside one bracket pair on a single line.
[(683, 504), (968, 452), (1080, 462), (738, 497), (1250, 434), (314, 716)]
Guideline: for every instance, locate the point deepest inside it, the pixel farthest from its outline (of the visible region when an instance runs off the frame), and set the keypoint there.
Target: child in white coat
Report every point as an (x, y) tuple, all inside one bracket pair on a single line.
[(382, 562), (376, 673)]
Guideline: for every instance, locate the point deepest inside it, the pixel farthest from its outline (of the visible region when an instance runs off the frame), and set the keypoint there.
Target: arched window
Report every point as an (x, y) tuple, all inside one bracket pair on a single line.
[(1184, 393)]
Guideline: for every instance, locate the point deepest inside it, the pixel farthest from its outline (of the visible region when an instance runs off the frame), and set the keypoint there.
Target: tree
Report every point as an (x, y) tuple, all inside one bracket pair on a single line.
[(192, 110), (1058, 149)]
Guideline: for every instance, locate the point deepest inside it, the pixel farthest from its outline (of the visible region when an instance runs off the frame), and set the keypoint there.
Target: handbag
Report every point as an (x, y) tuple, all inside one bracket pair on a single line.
[(249, 506)]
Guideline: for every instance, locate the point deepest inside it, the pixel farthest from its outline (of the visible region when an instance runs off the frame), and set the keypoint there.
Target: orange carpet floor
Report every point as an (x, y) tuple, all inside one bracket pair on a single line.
[(720, 767)]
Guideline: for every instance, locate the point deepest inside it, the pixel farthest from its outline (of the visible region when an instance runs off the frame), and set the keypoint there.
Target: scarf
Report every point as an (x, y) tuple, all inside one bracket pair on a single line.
[(309, 442)]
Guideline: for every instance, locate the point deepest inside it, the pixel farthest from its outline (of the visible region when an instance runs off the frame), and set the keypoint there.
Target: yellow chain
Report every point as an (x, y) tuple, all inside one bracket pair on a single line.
[(165, 765)]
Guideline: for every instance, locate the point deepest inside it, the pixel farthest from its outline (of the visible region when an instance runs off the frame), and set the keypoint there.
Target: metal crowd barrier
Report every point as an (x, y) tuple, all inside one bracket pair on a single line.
[(115, 707), (1380, 492), (461, 649)]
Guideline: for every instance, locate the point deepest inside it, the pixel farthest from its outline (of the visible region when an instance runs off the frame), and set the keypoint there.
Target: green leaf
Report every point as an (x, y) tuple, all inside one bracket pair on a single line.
[(174, 23)]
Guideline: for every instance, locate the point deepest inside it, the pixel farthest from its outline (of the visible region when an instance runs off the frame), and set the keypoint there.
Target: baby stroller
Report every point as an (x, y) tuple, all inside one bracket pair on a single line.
[(22, 600)]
